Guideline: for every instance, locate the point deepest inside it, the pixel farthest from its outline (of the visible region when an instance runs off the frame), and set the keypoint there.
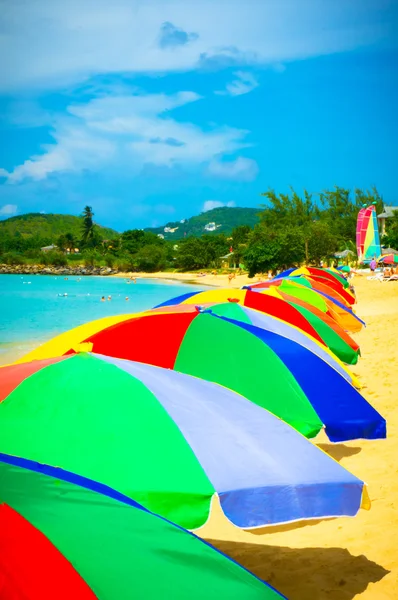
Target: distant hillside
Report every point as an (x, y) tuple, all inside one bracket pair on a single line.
[(224, 218), (48, 227)]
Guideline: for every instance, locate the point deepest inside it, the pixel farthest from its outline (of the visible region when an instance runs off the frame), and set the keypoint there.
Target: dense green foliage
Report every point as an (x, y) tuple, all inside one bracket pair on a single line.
[(200, 253), (294, 229), (390, 240), (289, 230), (228, 218), (34, 230)]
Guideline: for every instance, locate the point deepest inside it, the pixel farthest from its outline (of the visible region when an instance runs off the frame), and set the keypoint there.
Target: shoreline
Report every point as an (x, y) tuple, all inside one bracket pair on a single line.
[(219, 280), (189, 278)]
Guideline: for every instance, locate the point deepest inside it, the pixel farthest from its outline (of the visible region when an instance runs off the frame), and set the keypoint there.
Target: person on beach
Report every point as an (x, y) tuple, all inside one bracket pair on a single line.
[(373, 265)]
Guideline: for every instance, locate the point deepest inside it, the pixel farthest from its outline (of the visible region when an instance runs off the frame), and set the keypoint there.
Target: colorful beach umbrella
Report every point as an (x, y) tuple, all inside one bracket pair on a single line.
[(389, 259), (329, 273), (315, 323), (343, 315), (67, 537), (172, 443), (225, 345), (340, 294), (338, 340), (291, 310), (333, 289)]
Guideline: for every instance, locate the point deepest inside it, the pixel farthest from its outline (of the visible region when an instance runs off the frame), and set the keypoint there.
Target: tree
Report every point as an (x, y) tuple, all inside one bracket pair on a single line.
[(200, 253), (290, 211), (322, 243), (88, 227), (191, 254), (391, 237), (272, 250), (151, 258), (133, 240), (240, 237)]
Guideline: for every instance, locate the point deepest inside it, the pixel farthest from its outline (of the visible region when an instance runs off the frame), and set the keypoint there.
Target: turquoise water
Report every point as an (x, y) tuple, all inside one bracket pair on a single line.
[(31, 310)]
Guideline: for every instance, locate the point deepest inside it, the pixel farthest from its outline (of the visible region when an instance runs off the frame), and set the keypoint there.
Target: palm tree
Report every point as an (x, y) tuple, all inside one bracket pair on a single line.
[(88, 226)]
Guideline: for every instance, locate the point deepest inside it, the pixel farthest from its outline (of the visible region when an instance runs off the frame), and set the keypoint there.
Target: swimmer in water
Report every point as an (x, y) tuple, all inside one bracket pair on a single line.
[(127, 297), (103, 299), (109, 297)]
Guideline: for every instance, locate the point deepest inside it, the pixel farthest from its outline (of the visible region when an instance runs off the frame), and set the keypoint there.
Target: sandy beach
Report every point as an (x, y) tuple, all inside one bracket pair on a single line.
[(347, 558), (208, 279)]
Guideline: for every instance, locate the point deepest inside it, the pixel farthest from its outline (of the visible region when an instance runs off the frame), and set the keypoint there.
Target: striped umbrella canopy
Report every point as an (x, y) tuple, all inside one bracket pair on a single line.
[(295, 286), (65, 536), (329, 274), (388, 259), (313, 322), (225, 345), (341, 278), (171, 442), (339, 341), (339, 294), (333, 289)]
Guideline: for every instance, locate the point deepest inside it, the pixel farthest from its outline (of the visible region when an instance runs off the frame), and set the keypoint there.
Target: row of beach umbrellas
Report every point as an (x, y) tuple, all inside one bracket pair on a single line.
[(121, 437)]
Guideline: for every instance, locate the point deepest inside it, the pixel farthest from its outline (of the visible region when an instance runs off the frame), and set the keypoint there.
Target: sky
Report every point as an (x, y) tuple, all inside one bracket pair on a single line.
[(155, 110)]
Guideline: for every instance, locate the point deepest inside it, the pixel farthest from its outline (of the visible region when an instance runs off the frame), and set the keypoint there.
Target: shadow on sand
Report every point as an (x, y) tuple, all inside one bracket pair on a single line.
[(306, 573), (339, 451)]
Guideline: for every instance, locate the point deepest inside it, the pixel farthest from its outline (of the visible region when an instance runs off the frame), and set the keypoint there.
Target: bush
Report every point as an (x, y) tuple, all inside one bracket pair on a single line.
[(151, 258), (91, 258), (269, 250), (13, 258), (110, 260), (54, 258)]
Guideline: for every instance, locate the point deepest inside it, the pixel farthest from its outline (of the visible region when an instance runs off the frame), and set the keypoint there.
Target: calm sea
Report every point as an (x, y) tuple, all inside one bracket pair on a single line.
[(33, 308)]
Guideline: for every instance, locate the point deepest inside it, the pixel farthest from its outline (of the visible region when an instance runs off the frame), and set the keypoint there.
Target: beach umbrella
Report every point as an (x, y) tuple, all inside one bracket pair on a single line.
[(320, 286), (343, 315), (339, 341), (67, 537), (389, 259), (332, 288), (315, 323), (325, 330), (326, 273), (330, 274), (225, 345), (171, 442)]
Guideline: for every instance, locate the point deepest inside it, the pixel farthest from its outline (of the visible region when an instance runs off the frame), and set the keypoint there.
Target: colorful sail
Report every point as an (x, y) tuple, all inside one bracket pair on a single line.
[(368, 239)]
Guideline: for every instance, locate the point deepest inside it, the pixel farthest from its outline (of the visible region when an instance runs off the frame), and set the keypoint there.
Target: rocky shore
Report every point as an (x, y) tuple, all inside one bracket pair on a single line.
[(47, 270)]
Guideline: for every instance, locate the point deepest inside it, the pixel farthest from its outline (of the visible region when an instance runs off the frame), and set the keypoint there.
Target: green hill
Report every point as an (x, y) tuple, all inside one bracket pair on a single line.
[(225, 220), (46, 227)]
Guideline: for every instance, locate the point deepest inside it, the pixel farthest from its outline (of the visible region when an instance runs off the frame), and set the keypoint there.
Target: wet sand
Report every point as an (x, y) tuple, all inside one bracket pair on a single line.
[(344, 558)]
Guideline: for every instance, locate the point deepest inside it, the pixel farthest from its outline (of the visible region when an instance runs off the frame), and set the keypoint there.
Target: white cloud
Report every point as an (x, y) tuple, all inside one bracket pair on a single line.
[(210, 204), (8, 210), (54, 43), (127, 132), (240, 169), (244, 83)]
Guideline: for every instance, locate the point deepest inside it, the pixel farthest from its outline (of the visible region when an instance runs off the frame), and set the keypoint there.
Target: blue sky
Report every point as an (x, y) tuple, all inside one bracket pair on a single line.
[(155, 110)]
